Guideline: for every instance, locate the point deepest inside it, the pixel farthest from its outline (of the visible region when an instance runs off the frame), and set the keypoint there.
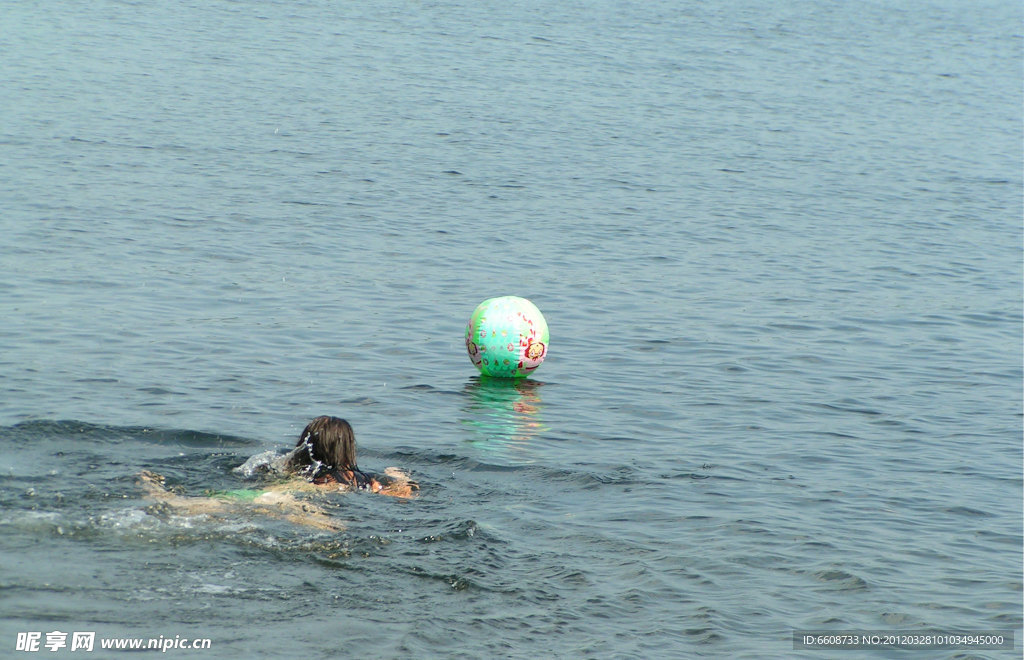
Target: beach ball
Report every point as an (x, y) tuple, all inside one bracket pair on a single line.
[(507, 337)]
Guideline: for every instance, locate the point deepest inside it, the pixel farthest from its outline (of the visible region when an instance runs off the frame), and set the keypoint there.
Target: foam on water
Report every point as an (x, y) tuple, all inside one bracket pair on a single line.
[(264, 463)]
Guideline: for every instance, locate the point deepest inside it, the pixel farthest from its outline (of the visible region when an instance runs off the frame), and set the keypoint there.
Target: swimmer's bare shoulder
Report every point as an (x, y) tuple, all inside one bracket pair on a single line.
[(293, 485)]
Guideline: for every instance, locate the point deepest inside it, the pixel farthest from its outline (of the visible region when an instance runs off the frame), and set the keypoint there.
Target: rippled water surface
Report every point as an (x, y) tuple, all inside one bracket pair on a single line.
[(778, 247)]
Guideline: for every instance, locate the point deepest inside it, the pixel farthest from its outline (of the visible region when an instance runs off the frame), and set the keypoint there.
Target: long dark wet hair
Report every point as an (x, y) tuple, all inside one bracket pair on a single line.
[(326, 445)]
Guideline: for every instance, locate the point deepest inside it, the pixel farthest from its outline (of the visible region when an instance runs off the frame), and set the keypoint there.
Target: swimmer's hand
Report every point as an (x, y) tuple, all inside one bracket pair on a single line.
[(399, 484)]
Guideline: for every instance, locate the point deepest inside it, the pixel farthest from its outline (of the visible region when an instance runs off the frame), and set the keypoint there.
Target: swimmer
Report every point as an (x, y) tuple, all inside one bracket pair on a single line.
[(325, 455), (325, 460)]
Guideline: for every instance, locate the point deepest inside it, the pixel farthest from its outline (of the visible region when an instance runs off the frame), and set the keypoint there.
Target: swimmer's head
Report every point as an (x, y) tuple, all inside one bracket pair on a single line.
[(327, 443)]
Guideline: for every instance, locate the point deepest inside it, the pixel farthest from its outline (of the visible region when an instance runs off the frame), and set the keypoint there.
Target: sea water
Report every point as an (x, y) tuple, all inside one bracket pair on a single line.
[(778, 247)]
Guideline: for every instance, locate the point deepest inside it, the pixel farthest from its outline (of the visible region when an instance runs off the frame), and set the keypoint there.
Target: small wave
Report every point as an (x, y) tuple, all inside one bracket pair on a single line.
[(454, 581), (840, 580), (43, 430), (456, 531)]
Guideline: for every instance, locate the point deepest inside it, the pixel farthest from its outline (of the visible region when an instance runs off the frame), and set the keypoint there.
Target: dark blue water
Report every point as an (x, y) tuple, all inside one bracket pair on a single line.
[(778, 248)]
